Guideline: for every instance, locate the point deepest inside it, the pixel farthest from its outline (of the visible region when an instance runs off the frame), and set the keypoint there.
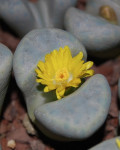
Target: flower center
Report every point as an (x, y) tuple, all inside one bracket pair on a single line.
[(62, 75)]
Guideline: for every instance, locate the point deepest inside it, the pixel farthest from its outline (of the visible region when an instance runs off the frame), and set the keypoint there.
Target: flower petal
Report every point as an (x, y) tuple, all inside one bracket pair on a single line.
[(46, 89), (60, 92), (67, 56), (78, 57), (74, 83), (88, 64), (87, 73), (41, 66), (38, 80), (50, 87)]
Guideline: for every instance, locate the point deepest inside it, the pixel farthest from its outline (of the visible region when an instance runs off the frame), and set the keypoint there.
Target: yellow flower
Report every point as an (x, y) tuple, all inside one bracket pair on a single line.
[(118, 143), (60, 71)]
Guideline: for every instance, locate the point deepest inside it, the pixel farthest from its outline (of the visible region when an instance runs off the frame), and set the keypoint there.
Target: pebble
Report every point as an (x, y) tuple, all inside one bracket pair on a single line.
[(11, 144)]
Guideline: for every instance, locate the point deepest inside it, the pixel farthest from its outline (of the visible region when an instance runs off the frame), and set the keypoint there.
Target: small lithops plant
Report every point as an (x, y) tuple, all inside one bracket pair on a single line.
[(24, 15), (99, 33), (56, 60), (5, 71), (112, 144)]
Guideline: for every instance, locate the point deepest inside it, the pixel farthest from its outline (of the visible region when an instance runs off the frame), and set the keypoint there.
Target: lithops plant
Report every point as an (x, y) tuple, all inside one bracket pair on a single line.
[(5, 71), (108, 9), (24, 15), (74, 117), (112, 144), (100, 38)]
